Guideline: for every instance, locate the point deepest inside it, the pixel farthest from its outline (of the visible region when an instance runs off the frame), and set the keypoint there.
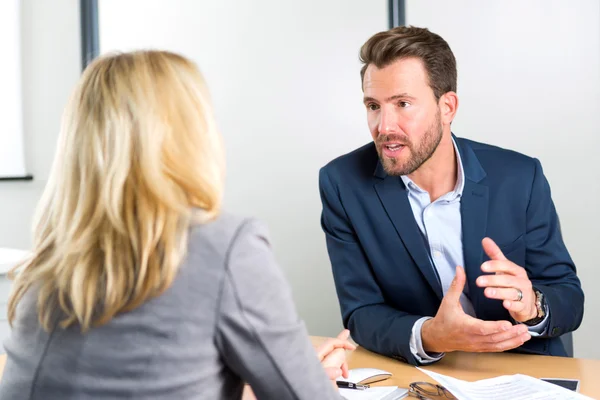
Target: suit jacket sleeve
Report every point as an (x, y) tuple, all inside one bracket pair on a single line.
[(548, 262), (259, 334), (372, 323)]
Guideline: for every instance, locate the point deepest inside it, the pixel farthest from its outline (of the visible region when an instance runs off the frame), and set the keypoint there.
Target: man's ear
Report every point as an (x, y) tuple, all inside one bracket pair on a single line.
[(448, 105)]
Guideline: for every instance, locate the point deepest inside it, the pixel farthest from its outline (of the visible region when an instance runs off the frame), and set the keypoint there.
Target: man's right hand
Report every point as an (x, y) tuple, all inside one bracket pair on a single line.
[(453, 330)]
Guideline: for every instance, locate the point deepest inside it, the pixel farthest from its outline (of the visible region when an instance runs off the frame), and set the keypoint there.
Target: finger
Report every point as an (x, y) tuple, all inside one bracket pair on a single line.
[(248, 394), (332, 344), (516, 307), (500, 281), (345, 370), (510, 294), (335, 359), (504, 345), (337, 342), (513, 332), (503, 267), (456, 287), (476, 326), (344, 334), (333, 373), (492, 250)]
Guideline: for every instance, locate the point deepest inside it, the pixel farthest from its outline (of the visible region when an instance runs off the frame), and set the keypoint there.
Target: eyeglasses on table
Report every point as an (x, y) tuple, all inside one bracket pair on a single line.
[(428, 391)]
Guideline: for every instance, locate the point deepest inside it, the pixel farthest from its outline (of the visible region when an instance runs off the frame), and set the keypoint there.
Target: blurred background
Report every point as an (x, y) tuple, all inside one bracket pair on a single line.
[(284, 77)]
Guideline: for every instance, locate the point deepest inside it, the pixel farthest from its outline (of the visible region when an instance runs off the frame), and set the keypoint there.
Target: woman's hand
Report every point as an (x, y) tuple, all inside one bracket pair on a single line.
[(248, 393), (332, 354)]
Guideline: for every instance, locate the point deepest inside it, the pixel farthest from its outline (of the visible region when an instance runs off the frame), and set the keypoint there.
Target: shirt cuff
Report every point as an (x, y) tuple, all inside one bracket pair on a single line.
[(416, 344), (540, 329)]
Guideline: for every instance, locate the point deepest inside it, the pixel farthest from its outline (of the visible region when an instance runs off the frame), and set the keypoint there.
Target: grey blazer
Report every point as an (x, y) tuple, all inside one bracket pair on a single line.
[(227, 319)]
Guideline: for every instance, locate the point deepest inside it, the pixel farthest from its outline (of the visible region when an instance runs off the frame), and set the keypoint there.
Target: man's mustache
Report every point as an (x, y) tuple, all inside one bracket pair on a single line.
[(385, 138)]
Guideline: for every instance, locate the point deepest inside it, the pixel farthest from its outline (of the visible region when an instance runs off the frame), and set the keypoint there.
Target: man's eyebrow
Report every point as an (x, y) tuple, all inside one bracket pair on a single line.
[(368, 99)]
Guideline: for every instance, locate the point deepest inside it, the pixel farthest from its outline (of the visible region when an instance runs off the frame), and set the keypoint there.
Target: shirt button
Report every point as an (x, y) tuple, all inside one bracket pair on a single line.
[(437, 254)]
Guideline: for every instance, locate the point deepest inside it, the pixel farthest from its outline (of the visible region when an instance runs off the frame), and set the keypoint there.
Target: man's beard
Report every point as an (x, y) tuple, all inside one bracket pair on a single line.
[(418, 155)]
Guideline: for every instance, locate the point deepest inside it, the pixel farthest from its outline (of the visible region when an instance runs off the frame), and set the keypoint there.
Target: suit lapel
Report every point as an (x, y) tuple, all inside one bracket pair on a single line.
[(474, 216), (393, 196)]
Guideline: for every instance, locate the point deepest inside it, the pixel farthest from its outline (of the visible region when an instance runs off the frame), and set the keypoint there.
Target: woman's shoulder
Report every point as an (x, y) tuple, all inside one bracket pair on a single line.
[(225, 230)]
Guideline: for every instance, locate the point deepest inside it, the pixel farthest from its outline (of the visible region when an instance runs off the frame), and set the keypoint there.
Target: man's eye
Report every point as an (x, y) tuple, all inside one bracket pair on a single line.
[(403, 104), (372, 106)]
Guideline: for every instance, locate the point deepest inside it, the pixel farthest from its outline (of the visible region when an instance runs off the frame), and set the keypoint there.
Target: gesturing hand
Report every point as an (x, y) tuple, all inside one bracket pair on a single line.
[(510, 283), (453, 330)]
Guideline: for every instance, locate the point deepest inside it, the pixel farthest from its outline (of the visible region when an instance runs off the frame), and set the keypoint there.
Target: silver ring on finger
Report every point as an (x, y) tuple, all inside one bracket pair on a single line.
[(519, 294)]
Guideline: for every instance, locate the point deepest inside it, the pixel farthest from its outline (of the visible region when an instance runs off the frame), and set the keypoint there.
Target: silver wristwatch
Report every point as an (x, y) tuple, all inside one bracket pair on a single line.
[(540, 305)]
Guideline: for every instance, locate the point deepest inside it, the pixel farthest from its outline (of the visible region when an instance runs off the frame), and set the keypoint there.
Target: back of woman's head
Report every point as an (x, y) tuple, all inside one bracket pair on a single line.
[(138, 160)]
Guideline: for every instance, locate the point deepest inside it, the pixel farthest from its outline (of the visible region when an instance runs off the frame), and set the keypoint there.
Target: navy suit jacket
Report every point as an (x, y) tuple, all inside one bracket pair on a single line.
[(383, 274)]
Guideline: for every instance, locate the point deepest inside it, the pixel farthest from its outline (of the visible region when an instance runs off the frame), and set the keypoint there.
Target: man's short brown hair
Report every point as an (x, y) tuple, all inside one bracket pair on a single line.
[(384, 48)]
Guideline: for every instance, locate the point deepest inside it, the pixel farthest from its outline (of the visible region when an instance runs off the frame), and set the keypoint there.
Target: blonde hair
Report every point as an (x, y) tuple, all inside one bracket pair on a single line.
[(139, 160)]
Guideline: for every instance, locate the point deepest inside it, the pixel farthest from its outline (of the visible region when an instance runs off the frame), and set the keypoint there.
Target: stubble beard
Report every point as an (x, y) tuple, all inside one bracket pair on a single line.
[(418, 155)]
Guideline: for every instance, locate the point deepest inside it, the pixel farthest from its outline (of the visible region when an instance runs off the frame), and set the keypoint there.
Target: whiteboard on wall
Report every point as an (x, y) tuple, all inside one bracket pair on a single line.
[(12, 152)]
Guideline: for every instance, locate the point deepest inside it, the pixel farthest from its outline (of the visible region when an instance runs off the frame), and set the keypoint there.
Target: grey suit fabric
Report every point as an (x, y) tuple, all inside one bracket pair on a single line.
[(227, 319)]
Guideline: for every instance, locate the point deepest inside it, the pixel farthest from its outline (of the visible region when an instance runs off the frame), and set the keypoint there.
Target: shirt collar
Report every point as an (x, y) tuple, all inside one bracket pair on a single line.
[(460, 178)]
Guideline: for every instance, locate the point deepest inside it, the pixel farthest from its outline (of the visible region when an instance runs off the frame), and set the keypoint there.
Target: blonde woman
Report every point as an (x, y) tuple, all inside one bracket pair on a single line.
[(139, 287)]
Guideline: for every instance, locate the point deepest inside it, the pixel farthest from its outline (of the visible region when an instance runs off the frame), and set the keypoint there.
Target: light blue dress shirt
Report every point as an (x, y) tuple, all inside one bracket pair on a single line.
[(440, 224)]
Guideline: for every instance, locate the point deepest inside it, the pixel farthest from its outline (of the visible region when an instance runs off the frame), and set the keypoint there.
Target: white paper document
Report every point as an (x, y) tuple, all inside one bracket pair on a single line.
[(514, 387), (375, 393)]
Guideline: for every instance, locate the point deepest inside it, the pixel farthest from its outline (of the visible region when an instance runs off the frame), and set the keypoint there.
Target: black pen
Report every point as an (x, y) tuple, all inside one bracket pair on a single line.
[(350, 385)]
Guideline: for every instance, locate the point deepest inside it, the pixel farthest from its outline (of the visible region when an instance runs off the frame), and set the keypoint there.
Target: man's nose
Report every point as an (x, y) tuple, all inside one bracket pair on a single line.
[(388, 122)]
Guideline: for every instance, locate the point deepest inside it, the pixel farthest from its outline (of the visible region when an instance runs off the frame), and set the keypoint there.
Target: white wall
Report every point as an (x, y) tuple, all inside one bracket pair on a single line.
[(529, 79), (51, 67), (286, 86)]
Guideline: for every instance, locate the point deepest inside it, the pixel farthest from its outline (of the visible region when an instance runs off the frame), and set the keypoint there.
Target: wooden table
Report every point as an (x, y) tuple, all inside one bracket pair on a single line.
[(475, 366)]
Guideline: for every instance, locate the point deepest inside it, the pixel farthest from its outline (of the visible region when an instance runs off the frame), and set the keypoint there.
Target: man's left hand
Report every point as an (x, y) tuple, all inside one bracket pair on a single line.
[(509, 284)]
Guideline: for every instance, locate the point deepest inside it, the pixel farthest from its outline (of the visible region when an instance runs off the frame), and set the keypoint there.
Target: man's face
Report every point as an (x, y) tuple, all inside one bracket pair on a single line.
[(403, 115)]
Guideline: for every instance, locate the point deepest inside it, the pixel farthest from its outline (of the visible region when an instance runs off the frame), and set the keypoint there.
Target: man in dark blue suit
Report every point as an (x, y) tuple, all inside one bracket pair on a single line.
[(403, 215)]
